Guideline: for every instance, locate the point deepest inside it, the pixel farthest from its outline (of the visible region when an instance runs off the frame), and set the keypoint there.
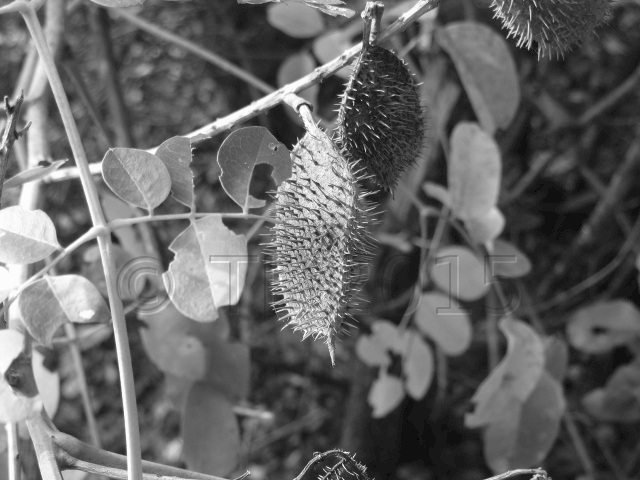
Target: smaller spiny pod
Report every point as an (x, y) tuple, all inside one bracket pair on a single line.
[(555, 25), (333, 465), (320, 246), (380, 120)]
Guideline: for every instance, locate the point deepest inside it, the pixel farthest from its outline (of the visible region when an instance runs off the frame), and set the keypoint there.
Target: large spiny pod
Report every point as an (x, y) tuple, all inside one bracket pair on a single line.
[(555, 25), (320, 247), (380, 121)]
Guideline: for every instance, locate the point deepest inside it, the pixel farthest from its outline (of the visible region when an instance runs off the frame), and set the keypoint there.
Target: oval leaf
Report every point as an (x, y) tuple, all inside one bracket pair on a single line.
[(440, 318), (50, 302), (26, 236), (210, 431), (208, 270), (138, 177), (486, 69), (294, 67), (523, 435), (176, 154), (33, 174), (602, 326), (474, 171), (229, 368), (19, 400), (372, 351), (507, 260), (513, 379), (238, 156), (331, 45), (387, 392), (418, 367), (118, 3), (457, 271), (295, 20)]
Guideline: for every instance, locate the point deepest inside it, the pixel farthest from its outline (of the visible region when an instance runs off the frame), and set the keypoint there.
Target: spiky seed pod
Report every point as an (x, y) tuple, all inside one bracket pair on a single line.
[(333, 465), (555, 25), (380, 121), (320, 246)]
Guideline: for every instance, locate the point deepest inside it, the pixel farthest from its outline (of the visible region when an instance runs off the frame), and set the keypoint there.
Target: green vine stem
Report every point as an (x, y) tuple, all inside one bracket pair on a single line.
[(134, 462)]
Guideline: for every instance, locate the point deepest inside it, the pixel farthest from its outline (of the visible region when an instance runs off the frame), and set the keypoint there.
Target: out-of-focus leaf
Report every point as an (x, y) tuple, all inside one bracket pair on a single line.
[(229, 368), (387, 392), (176, 155), (208, 270), (513, 379), (296, 20), (26, 236), (331, 45), (619, 400), (115, 208), (210, 431), (418, 367), (456, 270), (486, 69), (522, 435), (330, 7), (556, 357), (602, 326), (20, 399), (440, 318), (372, 351), (136, 176), (238, 156), (437, 192), (48, 383), (486, 228), (474, 171), (33, 174), (507, 260), (295, 66), (50, 302)]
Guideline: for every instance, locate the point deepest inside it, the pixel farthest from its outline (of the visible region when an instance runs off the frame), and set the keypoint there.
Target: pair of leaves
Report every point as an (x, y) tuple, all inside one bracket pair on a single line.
[(388, 391), (144, 180), (521, 402)]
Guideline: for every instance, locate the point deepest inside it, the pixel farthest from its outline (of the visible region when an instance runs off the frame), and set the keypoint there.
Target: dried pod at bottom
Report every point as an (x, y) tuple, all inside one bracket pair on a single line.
[(555, 25), (380, 121), (333, 465), (320, 247)]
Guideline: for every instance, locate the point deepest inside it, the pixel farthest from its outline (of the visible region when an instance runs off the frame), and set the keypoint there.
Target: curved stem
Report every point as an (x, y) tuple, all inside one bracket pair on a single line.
[(105, 245)]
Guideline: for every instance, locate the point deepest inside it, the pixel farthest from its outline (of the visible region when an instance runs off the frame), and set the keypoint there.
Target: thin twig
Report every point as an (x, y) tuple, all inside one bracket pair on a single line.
[(275, 98), (579, 445), (10, 135)]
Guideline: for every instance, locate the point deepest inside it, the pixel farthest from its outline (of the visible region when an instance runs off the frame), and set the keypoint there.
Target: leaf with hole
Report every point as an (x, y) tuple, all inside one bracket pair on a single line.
[(385, 395), (208, 270), (440, 317), (487, 71), (33, 174), (137, 177), (26, 236), (238, 157), (210, 431), (458, 271), (295, 20), (18, 392), (506, 260), (176, 154), (417, 366), (603, 326), (513, 379), (50, 302), (474, 171)]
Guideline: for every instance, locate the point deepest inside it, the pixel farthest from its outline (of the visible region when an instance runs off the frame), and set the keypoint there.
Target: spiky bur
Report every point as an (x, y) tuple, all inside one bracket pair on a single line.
[(320, 246), (555, 25), (333, 465), (380, 121)]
